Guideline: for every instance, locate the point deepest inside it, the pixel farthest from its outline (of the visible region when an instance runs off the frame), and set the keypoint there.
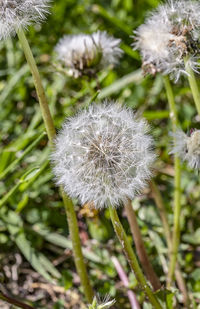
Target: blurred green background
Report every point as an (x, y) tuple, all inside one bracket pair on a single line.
[(35, 246)]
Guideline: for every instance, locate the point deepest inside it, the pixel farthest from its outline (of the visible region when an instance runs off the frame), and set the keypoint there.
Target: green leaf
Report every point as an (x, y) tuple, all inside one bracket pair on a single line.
[(98, 9), (22, 204), (37, 260), (30, 174), (63, 242), (115, 87), (67, 279), (166, 297), (49, 266), (31, 255), (12, 82), (26, 151), (196, 274), (193, 238)]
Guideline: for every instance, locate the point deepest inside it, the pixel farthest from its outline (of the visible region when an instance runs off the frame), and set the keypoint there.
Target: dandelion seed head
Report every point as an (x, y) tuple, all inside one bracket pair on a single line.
[(103, 155), (16, 14), (187, 147), (152, 48), (83, 53), (169, 35)]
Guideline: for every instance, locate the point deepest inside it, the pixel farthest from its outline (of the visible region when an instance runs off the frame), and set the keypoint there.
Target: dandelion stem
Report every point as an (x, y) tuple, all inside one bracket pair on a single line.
[(171, 101), (140, 248), (119, 230), (193, 85), (49, 125), (177, 185), (69, 207), (78, 256)]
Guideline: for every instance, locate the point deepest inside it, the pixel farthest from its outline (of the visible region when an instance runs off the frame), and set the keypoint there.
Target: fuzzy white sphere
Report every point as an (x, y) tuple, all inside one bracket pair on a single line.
[(103, 155), (16, 14), (187, 147), (169, 36), (83, 53)]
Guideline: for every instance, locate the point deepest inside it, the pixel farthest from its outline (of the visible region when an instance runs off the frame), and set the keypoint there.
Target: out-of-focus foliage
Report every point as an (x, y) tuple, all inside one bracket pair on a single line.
[(33, 229)]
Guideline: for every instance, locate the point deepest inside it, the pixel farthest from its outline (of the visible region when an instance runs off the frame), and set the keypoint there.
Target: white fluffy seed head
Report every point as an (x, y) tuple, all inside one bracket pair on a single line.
[(187, 147), (84, 54), (169, 35), (103, 155), (16, 14)]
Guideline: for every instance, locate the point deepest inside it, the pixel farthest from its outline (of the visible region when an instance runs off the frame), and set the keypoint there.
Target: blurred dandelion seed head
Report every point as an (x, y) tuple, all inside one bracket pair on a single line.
[(84, 54), (104, 155), (168, 36), (16, 14), (187, 147)]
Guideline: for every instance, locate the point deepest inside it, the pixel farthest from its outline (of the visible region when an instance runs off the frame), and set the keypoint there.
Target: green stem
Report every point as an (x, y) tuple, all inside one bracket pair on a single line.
[(171, 101), (176, 229), (48, 121), (78, 256), (132, 257), (193, 85), (177, 185), (69, 207)]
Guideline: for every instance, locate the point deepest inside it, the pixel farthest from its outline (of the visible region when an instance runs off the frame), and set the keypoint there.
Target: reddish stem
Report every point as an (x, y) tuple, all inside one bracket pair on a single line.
[(13, 301), (122, 275)]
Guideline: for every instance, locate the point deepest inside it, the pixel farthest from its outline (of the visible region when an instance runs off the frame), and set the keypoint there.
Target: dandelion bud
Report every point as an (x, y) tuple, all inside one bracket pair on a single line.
[(15, 14), (169, 37), (84, 54), (103, 155), (187, 147)]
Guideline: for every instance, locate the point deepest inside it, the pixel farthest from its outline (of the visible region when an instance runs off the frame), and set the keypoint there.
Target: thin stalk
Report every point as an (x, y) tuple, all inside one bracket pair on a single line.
[(177, 185), (69, 207), (171, 101), (122, 275), (78, 256), (131, 257), (48, 121), (163, 214), (193, 85), (14, 302), (140, 248)]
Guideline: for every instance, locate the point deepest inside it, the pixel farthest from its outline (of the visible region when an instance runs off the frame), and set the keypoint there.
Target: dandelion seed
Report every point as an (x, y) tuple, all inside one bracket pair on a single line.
[(104, 155), (170, 36), (104, 304), (84, 54), (16, 14), (187, 147)]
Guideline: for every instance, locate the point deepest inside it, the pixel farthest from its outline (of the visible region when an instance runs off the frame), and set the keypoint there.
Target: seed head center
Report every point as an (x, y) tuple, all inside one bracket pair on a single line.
[(104, 153)]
